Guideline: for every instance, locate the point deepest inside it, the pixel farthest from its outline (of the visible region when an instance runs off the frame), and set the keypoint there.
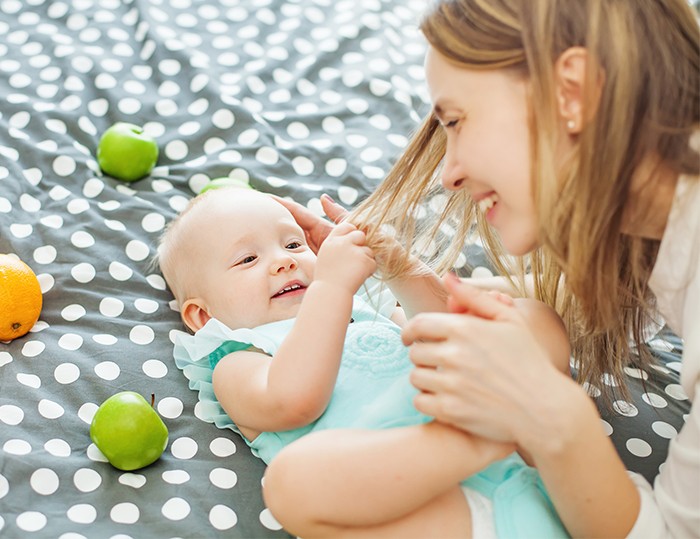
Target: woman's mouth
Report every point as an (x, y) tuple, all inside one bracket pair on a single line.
[(487, 204)]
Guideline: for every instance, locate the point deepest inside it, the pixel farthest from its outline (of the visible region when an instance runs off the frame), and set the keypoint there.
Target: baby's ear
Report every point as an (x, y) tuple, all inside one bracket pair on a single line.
[(194, 315)]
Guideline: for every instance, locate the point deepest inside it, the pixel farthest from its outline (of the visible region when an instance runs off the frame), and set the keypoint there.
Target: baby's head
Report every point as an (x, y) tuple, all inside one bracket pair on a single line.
[(238, 256)]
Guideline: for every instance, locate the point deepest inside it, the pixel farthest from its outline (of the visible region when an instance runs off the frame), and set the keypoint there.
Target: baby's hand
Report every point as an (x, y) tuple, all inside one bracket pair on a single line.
[(344, 259)]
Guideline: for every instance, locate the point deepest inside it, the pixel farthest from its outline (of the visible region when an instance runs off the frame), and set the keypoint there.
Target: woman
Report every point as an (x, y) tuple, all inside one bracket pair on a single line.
[(564, 130)]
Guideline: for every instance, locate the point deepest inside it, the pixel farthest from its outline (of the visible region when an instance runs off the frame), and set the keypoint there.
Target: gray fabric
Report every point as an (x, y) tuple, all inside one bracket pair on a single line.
[(300, 96)]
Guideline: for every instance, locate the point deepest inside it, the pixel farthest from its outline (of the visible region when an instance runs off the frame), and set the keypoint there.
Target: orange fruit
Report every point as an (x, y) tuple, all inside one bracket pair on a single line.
[(20, 298)]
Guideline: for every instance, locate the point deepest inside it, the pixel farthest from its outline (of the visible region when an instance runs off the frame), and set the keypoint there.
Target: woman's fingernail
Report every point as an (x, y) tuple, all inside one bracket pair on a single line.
[(327, 196)]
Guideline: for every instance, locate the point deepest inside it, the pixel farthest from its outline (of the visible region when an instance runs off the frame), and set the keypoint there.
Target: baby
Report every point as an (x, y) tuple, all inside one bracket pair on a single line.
[(284, 348)]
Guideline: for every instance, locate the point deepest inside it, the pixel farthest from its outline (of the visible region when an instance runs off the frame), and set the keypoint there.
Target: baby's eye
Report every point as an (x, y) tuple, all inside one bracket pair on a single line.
[(294, 245), (248, 259)]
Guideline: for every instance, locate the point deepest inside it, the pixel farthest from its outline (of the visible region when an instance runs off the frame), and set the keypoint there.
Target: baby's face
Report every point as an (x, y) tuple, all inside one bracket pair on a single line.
[(248, 261)]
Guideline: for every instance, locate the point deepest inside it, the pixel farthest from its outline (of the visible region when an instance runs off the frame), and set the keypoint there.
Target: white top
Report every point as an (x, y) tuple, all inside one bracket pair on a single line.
[(672, 509)]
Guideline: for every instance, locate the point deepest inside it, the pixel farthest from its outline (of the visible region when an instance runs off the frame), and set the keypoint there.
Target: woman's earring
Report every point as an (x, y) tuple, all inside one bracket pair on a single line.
[(571, 125)]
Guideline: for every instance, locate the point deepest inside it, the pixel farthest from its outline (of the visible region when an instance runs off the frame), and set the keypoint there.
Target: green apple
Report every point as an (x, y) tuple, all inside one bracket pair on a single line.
[(129, 431), (218, 183), (126, 152)]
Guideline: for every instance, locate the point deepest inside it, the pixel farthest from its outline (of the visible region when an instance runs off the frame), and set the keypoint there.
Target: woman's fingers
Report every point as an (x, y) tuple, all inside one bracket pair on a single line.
[(429, 327), (332, 209), (477, 302)]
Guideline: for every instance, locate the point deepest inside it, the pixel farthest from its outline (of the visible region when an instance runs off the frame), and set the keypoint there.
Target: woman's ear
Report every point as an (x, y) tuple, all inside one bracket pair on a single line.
[(194, 315), (570, 75)]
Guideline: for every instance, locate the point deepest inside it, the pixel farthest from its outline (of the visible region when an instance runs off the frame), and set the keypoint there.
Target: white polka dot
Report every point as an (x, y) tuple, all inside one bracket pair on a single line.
[(638, 448), (222, 517), (303, 165), (87, 480), (184, 448), (93, 187), (625, 408), (267, 155), (29, 380), (82, 513), (44, 481), (64, 166), (45, 255), (111, 307), (21, 230), (59, 193), (170, 407), (70, 341), (636, 373), (146, 306), (120, 272), (73, 312), (141, 335), (223, 478), (82, 239), (137, 250), (83, 272), (66, 373), (31, 521), (17, 447), (269, 521), (176, 150), (652, 399), (87, 412), (107, 370), (105, 339), (175, 509), (223, 119), (115, 225), (57, 448), (222, 447), (46, 283), (664, 430), (676, 391), (50, 409), (154, 368), (4, 486), (33, 348), (95, 454), (176, 477), (78, 206), (11, 414), (133, 480), (5, 358), (153, 222), (125, 513)]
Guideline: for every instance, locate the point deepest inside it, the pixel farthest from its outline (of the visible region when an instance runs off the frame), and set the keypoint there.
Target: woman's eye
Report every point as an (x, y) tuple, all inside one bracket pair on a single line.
[(450, 124)]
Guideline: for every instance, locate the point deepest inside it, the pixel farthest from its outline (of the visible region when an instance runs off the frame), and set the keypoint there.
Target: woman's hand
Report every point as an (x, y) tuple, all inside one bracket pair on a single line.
[(484, 367), (315, 228)]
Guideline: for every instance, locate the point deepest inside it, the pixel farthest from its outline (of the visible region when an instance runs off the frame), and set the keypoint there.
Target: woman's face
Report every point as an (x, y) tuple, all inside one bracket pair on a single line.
[(485, 118)]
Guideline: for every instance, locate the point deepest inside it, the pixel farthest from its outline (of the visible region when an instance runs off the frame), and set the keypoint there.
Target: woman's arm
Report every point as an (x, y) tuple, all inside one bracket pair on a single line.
[(293, 388)]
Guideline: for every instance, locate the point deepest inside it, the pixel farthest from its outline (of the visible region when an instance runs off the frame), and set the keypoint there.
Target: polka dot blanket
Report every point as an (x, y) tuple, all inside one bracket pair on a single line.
[(296, 97)]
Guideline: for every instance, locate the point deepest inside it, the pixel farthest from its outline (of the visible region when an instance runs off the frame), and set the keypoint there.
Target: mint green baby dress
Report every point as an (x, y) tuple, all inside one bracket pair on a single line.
[(372, 392)]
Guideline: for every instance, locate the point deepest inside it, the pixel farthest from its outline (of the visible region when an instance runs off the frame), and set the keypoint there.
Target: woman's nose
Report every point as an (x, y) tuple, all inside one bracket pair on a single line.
[(453, 176)]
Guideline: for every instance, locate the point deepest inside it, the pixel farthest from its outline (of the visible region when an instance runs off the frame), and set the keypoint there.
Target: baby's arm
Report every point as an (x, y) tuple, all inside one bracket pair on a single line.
[(294, 387)]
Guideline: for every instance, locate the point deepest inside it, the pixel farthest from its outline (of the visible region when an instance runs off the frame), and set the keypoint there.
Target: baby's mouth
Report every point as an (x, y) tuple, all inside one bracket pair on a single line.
[(289, 288)]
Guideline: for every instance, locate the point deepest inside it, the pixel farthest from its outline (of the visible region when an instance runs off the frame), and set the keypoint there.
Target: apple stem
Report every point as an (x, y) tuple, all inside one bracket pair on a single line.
[(153, 399)]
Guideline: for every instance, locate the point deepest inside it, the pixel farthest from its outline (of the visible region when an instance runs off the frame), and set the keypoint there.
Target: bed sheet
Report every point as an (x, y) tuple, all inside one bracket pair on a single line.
[(297, 97)]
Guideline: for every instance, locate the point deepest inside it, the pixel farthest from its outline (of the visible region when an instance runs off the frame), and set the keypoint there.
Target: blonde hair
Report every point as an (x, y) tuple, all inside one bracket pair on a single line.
[(169, 245), (595, 276)]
